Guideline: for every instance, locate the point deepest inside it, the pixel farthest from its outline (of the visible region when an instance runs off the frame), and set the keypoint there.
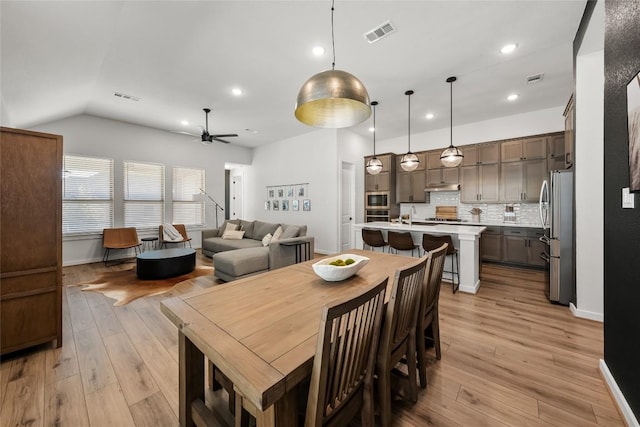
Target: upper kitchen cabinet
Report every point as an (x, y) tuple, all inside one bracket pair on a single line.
[(479, 184), (444, 176), (433, 159), (524, 149), (555, 148), (569, 127), (410, 185), (385, 180), (521, 181), (481, 154)]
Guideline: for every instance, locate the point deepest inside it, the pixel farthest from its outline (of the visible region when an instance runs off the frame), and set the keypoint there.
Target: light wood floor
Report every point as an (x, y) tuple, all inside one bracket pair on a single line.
[(510, 358)]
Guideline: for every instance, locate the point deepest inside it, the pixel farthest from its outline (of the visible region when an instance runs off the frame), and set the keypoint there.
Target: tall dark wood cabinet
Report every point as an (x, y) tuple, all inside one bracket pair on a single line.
[(30, 239)]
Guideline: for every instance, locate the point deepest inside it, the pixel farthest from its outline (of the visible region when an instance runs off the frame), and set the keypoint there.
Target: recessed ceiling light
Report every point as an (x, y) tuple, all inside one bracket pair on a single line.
[(318, 50), (512, 97), (509, 48), (236, 91), (184, 123), (429, 116), (372, 129)]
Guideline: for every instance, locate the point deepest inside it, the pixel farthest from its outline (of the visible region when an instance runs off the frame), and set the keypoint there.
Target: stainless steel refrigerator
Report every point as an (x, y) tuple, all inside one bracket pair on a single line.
[(556, 216)]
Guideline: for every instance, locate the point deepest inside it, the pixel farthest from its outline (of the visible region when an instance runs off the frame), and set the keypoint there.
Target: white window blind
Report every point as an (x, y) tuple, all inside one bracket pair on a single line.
[(143, 194), (87, 194), (188, 207)]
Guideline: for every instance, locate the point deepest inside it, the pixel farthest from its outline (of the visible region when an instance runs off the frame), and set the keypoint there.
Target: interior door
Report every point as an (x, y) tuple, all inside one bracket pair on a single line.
[(347, 205), (236, 197)]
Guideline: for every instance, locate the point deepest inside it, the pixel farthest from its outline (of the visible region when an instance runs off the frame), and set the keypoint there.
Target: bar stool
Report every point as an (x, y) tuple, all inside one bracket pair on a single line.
[(401, 241), (431, 242), (373, 238)]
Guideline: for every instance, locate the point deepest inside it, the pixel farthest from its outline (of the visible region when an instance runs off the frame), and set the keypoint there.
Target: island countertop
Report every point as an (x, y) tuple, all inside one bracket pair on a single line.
[(435, 228)]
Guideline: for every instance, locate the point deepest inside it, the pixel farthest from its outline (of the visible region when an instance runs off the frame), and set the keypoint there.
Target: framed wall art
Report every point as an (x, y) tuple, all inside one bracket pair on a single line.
[(294, 205), (306, 205)]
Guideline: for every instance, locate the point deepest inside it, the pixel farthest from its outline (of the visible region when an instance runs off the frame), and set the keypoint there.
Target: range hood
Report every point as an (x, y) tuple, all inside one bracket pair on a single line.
[(442, 187)]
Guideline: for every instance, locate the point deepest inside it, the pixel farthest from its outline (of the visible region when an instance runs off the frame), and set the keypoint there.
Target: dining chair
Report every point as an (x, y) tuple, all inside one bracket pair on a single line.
[(401, 241), (182, 238), (428, 311), (398, 337), (431, 242), (373, 238), (342, 376)]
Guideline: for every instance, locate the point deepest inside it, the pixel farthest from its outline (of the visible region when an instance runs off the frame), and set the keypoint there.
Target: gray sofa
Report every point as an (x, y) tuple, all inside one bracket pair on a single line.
[(233, 259)]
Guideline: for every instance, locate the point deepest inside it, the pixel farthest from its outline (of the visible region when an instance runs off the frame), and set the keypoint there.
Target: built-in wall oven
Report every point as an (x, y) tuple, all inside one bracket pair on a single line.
[(377, 200), (375, 215)]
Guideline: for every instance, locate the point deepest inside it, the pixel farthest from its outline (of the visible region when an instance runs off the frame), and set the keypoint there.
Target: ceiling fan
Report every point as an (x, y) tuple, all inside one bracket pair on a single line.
[(206, 137)]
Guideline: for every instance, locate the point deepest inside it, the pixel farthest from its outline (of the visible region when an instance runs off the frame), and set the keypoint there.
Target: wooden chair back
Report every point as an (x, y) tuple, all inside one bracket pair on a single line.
[(398, 335), (181, 229), (120, 238), (428, 312), (342, 376), (431, 242)]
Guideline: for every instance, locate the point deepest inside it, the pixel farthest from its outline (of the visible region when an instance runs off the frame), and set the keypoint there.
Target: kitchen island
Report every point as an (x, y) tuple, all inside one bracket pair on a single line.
[(466, 238)]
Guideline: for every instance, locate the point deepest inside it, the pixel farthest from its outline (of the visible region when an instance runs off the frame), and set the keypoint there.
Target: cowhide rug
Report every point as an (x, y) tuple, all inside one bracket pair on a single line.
[(124, 286)]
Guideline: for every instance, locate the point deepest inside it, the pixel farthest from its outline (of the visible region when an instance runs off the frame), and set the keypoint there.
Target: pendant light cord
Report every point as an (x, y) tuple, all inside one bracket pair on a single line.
[(451, 115), (333, 38), (374, 129), (409, 121)]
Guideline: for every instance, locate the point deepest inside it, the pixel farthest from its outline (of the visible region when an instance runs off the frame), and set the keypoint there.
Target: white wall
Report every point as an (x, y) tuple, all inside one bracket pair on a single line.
[(537, 122), (309, 158), (93, 136), (589, 173)]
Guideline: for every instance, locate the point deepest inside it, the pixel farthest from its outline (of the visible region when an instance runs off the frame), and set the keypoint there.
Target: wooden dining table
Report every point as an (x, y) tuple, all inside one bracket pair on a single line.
[(261, 332)]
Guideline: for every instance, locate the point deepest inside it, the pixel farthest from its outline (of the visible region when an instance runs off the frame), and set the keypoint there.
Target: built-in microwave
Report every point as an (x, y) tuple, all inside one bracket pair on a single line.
[(377, 200)]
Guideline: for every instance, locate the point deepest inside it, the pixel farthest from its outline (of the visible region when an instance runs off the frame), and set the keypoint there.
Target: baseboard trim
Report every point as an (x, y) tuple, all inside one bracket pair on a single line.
[(615, 391), (584, 314), (470, 289)]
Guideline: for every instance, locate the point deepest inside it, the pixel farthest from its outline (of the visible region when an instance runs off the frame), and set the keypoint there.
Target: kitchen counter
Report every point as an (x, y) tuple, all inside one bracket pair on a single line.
[(466, 238), (481, 223)]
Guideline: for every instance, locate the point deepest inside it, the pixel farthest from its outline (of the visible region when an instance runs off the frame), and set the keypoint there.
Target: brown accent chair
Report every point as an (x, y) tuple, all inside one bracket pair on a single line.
[(431, 242), (428, 311), (373, 238), (401, 241), (398, 337), (181, 229), (119, 238)]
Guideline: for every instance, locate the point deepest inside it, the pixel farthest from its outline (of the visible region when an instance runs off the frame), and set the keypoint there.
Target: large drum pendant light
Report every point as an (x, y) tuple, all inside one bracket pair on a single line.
[(374, 165), (409, 161), (452, 156), (333, 98)]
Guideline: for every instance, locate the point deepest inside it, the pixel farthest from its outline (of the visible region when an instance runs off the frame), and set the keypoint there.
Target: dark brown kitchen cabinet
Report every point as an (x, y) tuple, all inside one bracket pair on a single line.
[(523, 149), (479, 184), (383, 181), (521, 181), (31, 239), (522, 246), (555, 149), (411, 187), (491, 244), (480, 154), (443, 176), (433, 159), (569, 135)]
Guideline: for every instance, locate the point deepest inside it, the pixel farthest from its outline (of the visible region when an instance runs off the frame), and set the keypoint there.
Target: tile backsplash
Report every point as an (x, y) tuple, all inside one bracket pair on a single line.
[(492, 213)]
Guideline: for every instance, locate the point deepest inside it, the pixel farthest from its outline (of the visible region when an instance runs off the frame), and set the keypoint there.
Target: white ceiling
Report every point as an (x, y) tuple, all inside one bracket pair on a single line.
[(60, 59)]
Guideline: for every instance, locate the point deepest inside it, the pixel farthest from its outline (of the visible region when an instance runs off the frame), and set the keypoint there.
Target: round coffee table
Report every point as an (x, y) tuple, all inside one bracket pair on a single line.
[(165, 263)]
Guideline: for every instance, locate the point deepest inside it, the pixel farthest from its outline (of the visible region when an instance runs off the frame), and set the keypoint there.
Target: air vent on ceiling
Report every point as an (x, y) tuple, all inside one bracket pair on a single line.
[(535, 78), (380, 32), (125, 96)]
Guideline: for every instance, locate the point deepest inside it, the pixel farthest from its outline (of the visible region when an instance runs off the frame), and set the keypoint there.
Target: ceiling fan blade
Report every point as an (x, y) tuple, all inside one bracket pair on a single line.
[(220, 140), (224, 135), (185, 133)]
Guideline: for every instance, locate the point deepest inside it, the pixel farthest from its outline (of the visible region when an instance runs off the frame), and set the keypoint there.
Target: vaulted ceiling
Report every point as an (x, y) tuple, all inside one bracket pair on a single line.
[(63, 58)]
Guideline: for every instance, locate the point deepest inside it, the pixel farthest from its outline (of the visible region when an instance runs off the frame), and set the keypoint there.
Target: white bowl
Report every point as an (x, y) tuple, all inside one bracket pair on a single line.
[(333, 273)]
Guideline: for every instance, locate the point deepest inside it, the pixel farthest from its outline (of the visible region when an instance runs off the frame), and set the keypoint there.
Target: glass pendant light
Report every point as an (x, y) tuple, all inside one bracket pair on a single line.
[(452, 156), (409, 161), (374, 165), (333, 98)]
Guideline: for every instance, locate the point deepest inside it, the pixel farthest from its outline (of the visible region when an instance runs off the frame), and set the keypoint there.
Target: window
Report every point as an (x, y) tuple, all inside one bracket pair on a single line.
[(188, 209), (143, 194), (87, 194)]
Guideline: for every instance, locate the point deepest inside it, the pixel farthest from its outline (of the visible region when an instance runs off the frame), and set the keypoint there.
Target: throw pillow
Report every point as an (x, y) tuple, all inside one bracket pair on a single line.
[(225, 224), (170, 233), (266, 239), (291, 231), (233, 235), (277, 234)]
